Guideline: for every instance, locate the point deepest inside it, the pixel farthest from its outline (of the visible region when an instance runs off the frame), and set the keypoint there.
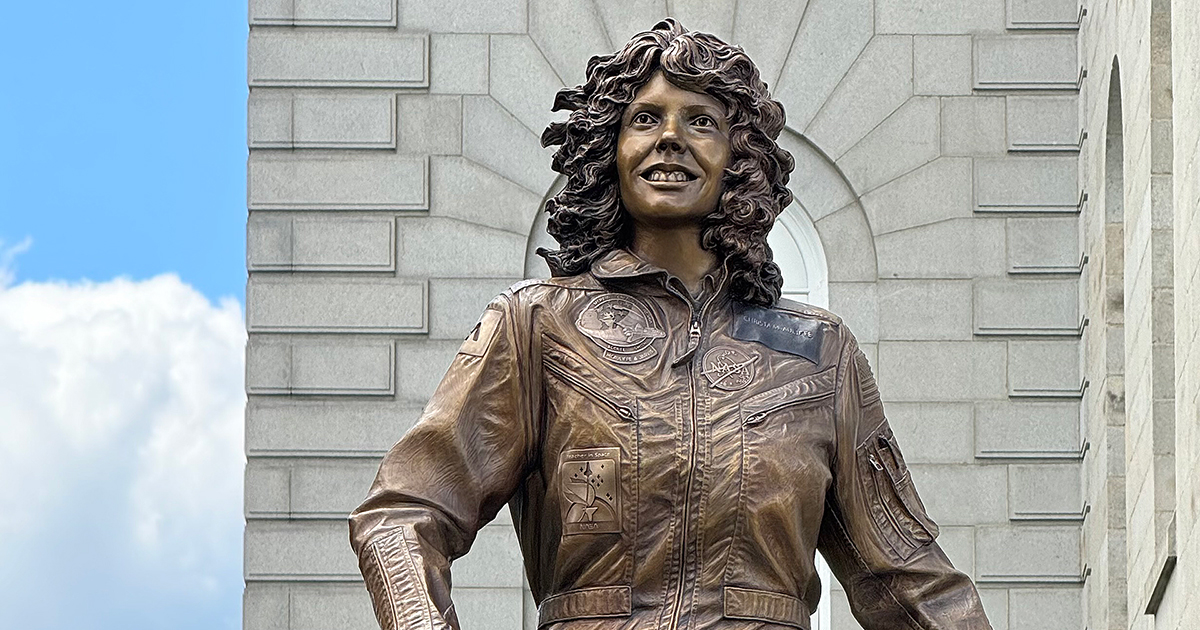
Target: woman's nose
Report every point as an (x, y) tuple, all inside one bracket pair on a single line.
[(670, 139)]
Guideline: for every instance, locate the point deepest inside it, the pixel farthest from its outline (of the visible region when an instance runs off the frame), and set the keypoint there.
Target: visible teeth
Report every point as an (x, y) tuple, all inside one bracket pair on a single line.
[(667, 176)]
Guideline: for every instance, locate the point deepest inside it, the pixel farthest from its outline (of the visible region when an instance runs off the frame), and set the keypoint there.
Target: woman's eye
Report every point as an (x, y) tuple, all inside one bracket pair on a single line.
[(704, 121), (643, 119)]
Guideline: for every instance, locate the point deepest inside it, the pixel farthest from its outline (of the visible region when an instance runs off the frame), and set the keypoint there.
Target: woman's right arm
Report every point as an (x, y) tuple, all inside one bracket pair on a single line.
[(449, 475), (876, 536)]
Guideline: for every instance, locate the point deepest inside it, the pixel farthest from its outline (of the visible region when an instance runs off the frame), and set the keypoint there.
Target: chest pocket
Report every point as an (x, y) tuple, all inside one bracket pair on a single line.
[(589, 452), (786, 449), (574, 372), (800, 391)]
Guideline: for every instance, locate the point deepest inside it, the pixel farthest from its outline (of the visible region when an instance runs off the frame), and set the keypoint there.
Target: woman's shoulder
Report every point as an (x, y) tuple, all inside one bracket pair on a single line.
[(533, 294), (807, 311), (534, 290)]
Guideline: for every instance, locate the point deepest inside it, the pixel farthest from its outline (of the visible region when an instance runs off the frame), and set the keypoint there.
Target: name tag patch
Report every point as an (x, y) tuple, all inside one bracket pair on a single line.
[(781, 331)]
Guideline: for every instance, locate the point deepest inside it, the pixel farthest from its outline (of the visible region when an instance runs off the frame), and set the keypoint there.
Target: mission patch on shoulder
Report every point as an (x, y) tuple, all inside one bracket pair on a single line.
[(780, 330), (480, 337)]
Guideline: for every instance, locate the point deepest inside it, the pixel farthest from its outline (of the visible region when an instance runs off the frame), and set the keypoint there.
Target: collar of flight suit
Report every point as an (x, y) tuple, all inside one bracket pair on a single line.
[(622, 264)]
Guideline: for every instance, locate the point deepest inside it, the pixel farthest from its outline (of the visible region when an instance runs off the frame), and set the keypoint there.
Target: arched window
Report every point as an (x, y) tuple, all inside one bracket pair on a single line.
[(798, 252)]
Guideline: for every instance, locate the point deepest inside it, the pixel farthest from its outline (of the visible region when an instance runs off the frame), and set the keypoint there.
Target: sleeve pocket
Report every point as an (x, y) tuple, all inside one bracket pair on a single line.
[(896, 510)]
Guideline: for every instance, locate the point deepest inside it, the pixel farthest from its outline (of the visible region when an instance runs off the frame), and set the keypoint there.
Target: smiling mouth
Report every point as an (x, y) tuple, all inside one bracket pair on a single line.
[(660, 175)]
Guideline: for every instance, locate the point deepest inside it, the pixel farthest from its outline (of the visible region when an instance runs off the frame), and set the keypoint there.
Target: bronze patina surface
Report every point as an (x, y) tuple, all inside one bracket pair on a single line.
[(675, 442)]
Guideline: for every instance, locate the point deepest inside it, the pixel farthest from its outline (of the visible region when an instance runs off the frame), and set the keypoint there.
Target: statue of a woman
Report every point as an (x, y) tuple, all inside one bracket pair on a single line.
[(674, 440)]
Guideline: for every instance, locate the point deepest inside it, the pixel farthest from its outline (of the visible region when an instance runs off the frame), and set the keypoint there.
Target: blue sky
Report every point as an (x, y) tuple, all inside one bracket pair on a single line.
[(122, 273), (122, 140)]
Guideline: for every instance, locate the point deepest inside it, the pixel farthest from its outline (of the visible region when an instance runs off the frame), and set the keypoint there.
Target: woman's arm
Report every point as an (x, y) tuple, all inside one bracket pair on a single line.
[(448, 476), (875, 533)]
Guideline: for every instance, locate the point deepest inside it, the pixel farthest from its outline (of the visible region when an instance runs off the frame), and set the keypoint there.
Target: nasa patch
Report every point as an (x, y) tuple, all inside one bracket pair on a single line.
[(728, 368)]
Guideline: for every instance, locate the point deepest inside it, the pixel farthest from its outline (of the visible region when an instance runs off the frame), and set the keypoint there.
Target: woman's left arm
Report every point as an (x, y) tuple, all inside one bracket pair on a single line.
[(449, 475), (875, 534)]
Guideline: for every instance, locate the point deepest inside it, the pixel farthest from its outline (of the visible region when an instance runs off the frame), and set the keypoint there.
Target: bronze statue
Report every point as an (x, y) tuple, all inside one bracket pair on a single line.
[(673, 439)]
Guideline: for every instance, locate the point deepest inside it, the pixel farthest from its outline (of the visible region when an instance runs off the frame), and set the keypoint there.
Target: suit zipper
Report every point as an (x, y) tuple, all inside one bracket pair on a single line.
[(759, 415), (681, 580), (694, 336), (879, 491), (887, 511), (693, 342), (623, 411)]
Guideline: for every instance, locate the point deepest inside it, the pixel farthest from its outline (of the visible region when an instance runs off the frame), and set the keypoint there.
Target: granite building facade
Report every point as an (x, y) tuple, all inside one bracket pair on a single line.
[(1000, 196)]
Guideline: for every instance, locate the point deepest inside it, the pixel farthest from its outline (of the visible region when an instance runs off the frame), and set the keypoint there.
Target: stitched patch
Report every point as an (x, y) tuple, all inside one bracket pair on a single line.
[(591, 490), (623, 327), (781, 331), (728, 368), (480, 337)]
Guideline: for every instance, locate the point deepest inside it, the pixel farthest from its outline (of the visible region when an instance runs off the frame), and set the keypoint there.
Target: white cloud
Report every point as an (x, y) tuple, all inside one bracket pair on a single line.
[(134, 388), (7, 256)]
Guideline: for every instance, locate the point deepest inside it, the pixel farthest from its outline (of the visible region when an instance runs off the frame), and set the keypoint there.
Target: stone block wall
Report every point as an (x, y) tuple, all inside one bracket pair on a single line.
[(1140, 421), (363, 204), (1033, 326), (1181, 597)]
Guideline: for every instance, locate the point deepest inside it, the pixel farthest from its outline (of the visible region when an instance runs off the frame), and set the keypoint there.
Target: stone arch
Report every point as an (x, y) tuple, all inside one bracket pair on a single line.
[(832, 204), (820, 63), (1113, 392)]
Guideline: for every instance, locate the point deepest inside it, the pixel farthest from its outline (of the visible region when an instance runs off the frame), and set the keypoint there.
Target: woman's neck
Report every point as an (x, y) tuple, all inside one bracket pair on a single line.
[(677, 250)]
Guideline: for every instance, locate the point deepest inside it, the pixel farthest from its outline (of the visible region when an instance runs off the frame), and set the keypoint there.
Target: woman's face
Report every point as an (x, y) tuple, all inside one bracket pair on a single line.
[(672, 151)]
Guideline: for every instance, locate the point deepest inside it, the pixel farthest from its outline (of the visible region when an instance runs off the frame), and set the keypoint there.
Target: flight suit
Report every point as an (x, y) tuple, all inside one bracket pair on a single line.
[(670, 462)]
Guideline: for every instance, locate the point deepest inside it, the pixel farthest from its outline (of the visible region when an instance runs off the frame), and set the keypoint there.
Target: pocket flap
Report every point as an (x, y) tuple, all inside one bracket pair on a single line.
[(576, 372), (604, 601), (890, 497), (745, 603), (809, 387)]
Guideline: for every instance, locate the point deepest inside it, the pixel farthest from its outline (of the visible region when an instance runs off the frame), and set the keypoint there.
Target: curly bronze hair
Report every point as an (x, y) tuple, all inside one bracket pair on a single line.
[(587, 217)]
